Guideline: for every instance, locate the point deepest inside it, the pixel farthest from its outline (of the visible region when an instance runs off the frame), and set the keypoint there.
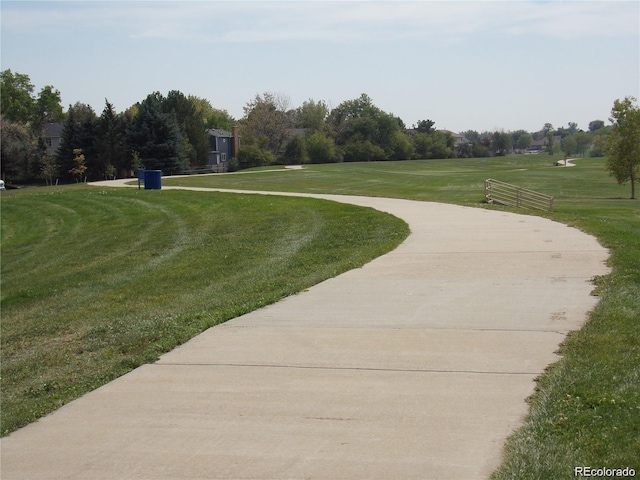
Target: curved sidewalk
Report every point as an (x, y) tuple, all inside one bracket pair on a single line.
[(415, 366)]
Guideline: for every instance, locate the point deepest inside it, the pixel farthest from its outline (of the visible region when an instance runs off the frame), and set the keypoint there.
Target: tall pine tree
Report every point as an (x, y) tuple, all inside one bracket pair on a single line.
[(191, 125), (157, 138), (110, 144), (78, 133)]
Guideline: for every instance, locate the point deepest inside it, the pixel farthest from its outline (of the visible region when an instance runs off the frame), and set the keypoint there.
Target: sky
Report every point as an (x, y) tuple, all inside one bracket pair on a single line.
[(466, 65)]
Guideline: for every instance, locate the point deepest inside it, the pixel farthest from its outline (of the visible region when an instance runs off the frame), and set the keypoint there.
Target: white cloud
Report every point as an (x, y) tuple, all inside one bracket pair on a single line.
[(574, 19), (337, 21)]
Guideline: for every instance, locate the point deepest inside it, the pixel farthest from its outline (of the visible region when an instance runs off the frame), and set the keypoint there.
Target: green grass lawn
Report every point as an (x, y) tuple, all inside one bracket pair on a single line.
[(97, 281), (586, 409)]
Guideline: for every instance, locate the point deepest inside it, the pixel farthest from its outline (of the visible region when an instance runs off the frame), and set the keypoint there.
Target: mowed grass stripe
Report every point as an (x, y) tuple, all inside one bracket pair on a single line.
[(98, 281)]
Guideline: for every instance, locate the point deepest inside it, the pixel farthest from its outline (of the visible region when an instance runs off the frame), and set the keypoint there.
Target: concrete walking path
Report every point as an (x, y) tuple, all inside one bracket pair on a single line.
[(415, 366)]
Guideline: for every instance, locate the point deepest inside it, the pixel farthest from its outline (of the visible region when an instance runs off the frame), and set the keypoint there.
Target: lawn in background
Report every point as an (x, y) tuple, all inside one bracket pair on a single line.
[(98, 281), (586, 409)]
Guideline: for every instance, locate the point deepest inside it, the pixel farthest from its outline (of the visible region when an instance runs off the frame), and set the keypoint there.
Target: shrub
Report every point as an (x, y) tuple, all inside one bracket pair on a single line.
[(294, 151), (250, 156), (402, 148), (320, 148), (366, 151)]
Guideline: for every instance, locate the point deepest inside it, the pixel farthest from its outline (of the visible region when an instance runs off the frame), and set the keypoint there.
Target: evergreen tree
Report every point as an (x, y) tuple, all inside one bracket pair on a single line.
[(79, 132), (191, 125), (110, 143), (157, 138)]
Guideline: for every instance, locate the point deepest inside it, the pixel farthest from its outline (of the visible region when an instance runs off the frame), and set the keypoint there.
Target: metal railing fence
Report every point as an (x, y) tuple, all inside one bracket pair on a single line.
[(503, 193)]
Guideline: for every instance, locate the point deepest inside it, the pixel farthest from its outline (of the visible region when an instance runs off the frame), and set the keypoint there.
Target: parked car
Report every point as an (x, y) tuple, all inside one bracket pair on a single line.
[(1, 184)]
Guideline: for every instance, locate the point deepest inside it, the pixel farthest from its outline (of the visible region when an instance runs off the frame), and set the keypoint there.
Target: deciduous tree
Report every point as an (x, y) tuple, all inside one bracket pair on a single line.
[(49, 169), (294, 151), (362, 151), (320, 148), (599, 146), (583, 140), (16, 96), (434, 145), (623, 145), (253, 155), (266, 117), (550, 142), (521, 139), (79, 167), (19, 151), (401, 146), (501, 143), (220, 119), (569, 145), (425, 126), (312, 115), (358, 125), (47, 108)]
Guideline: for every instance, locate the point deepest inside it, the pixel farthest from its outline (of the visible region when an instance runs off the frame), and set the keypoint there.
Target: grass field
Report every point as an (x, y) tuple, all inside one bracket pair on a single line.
[(586, 409), (96, 281), (585, 412)]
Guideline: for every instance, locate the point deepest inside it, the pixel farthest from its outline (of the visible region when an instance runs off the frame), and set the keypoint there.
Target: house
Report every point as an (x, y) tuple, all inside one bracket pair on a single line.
[(52, 135), (219, 146), (458, 139), (223, 145), (541, 144)]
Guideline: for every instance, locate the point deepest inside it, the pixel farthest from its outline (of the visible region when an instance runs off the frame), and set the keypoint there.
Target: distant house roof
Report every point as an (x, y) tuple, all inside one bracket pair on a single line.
[(53, 130), (457, 136), (453, 134), (217, 132), (543, 141)]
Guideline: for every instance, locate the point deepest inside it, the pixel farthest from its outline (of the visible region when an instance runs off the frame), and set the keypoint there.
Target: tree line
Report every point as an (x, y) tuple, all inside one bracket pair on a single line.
[(357, 130), (169, 133)]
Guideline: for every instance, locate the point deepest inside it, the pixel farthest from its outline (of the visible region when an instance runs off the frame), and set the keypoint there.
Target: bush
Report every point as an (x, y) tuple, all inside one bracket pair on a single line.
[(294, 151), (233, 165), (363, 152), (401, 146), (250, 156), (320, 148), (433, 145)]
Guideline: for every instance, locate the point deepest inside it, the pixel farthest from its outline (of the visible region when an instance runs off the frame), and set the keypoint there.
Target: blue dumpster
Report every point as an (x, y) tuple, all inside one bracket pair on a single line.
[(153, 179)]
